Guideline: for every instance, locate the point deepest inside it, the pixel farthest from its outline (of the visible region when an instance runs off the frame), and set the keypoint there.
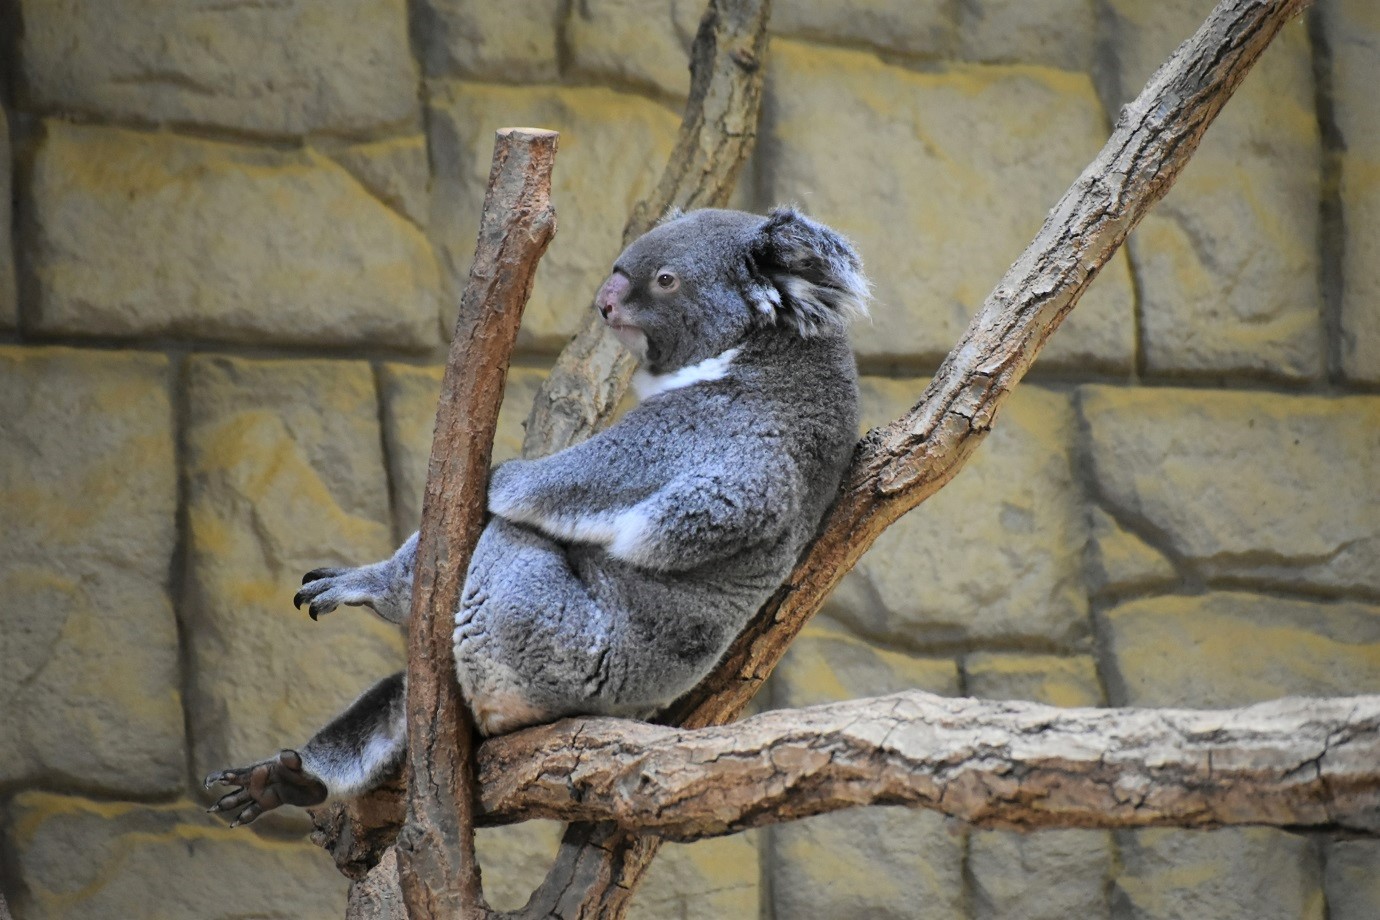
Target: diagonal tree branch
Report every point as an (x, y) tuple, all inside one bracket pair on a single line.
[(1298, 763), (436, 864)]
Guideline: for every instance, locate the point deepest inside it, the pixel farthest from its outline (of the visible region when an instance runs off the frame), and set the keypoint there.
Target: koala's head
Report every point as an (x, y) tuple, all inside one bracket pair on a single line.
[(698, 283)]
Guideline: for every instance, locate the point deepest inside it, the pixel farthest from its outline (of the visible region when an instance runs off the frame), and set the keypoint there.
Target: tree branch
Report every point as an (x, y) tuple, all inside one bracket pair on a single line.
[(898, 466), (1297, 763), (436, 864)]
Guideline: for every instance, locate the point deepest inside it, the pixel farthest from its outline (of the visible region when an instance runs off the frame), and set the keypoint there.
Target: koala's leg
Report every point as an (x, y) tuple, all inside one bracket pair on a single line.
[(531, 645), (385, 586), (354, 753)]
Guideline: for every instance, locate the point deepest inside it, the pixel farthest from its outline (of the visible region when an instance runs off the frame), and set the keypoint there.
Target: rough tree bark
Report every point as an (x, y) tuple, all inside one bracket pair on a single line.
[(436, 864), (1304, 763), (895, 468)]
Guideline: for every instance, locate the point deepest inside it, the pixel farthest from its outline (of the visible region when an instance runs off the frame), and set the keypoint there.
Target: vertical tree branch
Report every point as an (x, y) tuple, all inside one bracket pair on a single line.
[(717, 132), (437, 869)]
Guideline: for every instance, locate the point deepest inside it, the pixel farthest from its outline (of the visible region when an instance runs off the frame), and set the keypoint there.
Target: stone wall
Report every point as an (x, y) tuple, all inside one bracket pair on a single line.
[(237, 234)]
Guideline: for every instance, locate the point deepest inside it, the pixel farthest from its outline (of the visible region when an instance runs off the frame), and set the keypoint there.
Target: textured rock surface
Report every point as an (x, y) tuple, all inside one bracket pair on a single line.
[(1217, 875), (514, 860), (704, 880), (90, 684), (410, 394), (1232, 649), (923, 27), (996, 552), (103, 860), (1119, 560), (603, 133), (1055, 33), (1352, 880), (1352, 29), (644, 43), (962, 165), (698, 881), (1047, 875), (1228, 263), (335, 66), (9, 304), (151, 234), (475, 38), (873, 862), (395, 172), (827, 663), (285, 473), (1285, 489), (1047, 679)]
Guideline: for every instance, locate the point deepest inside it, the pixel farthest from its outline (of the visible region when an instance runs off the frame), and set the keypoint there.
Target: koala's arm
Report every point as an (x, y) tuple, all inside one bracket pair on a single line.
[(567, 494), (703, 517), (677, 523)]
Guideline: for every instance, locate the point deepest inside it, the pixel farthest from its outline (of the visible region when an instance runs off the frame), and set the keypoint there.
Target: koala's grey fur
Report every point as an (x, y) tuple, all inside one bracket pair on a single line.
[(615, 573)]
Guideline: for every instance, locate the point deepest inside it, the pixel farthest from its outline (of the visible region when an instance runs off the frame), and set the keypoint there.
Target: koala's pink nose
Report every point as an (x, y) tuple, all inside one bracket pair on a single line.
[(611, 294)]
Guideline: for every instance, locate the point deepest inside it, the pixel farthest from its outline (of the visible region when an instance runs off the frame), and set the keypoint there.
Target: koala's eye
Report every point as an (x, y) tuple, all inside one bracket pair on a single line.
[(667, 281)]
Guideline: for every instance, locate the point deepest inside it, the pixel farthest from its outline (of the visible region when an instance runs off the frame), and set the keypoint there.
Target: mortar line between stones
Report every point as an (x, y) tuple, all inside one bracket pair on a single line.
[(1331, 224), (179, 575)]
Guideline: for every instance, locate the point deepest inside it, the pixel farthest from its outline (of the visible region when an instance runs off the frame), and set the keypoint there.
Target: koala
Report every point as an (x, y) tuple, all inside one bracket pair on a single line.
[(614, 574)]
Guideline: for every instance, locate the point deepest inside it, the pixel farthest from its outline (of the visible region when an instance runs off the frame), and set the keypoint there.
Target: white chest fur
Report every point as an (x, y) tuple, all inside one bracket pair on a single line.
[(648, 385)]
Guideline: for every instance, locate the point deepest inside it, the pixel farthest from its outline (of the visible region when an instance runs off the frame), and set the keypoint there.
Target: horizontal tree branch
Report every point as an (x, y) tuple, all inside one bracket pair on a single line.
[(1297, 763)]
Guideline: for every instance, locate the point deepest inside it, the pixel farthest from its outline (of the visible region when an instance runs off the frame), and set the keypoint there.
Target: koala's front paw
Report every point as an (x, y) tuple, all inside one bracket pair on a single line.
[(265, 785)]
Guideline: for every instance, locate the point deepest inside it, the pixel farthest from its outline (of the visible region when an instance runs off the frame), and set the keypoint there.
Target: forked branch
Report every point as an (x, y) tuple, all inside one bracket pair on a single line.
[(435, 851)]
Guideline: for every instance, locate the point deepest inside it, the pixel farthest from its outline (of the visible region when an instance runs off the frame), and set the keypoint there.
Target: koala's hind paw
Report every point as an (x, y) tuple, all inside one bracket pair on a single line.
[(325, 589), (265, 785)]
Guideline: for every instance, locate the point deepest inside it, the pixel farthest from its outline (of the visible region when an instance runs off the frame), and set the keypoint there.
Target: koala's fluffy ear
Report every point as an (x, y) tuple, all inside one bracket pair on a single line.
[(804, 274)]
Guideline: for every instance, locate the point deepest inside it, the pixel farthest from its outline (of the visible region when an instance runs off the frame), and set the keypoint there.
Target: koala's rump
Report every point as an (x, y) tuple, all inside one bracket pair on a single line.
[(553, 629)]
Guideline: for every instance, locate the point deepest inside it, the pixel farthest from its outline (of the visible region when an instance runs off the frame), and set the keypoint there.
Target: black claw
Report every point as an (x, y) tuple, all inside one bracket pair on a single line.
[(311, 612), (297, 600)]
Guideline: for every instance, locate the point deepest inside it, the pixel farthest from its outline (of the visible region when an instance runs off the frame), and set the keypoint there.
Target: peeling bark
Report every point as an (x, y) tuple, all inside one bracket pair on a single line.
[(1301, 763), (436, 864)]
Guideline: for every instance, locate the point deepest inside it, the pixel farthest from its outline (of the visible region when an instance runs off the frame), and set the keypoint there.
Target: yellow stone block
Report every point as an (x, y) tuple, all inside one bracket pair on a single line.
[(90, 685), (331, 66), (1227, 649), (940, 178), (1278, 489), (80, 859), (997, 552), (139, 234), (285, 474), (1260, 873)]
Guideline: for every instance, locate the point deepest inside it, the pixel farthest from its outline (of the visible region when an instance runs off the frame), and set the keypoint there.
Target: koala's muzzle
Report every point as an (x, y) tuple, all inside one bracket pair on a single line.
[(611, 294)]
